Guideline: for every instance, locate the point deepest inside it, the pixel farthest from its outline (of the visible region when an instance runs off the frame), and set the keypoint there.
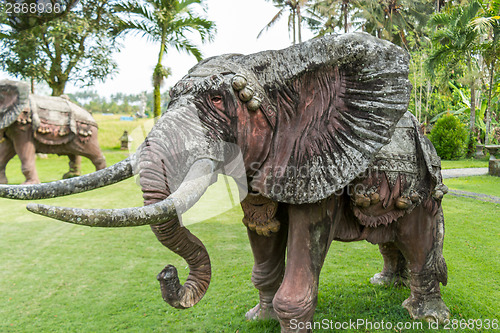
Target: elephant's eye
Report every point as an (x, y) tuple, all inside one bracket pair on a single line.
[(217, 102)]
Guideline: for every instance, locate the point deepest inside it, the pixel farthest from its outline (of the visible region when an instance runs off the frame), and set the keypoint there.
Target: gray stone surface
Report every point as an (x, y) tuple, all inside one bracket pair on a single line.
[(465, 172), (477, 196)]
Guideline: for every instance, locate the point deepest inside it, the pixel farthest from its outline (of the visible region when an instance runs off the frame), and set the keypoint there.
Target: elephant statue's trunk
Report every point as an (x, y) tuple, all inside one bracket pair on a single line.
[(171, 158), (156, 176)]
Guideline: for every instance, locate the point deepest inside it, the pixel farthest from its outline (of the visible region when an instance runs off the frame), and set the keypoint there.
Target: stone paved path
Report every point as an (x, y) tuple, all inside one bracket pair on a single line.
[(454, 173), (477, 196)]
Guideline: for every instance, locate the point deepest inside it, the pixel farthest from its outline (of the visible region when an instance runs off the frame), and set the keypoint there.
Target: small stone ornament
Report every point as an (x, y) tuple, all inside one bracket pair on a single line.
[(246, 93), (254, 103), (239, 82)]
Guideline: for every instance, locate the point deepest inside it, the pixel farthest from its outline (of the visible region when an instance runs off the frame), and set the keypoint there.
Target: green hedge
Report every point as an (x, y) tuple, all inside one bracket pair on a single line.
[(449, 136)]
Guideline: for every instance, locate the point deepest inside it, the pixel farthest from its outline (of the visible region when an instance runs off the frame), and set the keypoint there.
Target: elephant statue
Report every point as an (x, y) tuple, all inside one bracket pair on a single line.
[(31, 124), (329, 153)]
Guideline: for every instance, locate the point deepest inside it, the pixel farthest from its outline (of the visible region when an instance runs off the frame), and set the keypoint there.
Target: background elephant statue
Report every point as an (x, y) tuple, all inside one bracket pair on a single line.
[(313, 126), (32, 124)]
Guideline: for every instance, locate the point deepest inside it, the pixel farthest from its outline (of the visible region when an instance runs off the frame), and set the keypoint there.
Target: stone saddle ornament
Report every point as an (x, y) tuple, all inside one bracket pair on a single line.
[(312, 125), (32, 124)]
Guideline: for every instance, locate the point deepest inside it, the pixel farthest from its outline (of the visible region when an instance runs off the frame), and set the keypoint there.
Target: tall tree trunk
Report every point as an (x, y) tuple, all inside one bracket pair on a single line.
[(299, 23), (58, 88), (344, 9), (428, 97), (415, 88), (420, 91), (472, 124), (157, 80), (488, 109)]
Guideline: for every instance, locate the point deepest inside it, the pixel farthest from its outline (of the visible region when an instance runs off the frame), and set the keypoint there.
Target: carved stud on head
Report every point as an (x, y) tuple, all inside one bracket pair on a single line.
[(254, 104), (246, 94), (239, 82)]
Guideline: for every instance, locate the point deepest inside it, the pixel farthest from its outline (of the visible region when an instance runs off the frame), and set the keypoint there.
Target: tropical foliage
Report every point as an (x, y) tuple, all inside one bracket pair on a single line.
[(454, 48), (449, 137), (454, 45), (295, 17), (75, 47), (169, 23)]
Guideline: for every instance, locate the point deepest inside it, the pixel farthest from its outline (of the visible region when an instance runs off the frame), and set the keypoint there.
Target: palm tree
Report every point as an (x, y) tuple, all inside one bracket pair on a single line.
[(329, 15), (294, 19), (456, 40), (386, 19), (488, 23), (167, 22)]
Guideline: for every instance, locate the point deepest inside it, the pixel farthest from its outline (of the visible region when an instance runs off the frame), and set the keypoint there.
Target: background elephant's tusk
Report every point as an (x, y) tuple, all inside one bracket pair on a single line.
[(192, 188), (110, 175)]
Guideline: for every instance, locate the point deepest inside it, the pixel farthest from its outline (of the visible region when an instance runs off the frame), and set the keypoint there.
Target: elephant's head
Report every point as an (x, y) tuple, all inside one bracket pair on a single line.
[(306, 120), (13, 99)]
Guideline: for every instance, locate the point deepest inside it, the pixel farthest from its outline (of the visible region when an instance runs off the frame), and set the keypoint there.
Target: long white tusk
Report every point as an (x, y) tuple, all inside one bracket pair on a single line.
[(192, 188), (110, 175)]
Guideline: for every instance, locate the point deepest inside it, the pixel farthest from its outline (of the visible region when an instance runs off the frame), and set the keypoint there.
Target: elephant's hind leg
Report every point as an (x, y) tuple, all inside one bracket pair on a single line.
[(420, 238), (395, 270), (75, 162), (7, 152), (308, 242), (268, 269)]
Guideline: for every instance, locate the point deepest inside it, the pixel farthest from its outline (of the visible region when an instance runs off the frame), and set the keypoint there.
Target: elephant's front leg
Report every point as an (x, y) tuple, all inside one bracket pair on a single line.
[(420, 238), (7, 152), (308, 243), (268, 269), (24, 145)]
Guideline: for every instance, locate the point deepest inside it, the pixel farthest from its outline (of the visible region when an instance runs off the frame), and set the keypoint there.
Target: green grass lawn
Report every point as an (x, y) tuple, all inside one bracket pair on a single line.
[(479, 184), (57, 277), (465, 163), (111, 129)]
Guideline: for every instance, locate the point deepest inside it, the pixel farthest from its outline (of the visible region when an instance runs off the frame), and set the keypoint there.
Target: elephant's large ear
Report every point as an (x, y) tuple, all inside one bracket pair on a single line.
[(339, 101), (14, 97)]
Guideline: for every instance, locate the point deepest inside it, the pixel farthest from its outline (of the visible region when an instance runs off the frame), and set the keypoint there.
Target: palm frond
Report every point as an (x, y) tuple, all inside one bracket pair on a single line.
[(272, 22), (183, 44), (204, 27)]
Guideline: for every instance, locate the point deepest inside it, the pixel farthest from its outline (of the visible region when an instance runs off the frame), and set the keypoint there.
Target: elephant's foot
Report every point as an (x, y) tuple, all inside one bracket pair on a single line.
[(71, 174), (430, 308), (3, 180), (31, 182), (260, 312), (381, 279)]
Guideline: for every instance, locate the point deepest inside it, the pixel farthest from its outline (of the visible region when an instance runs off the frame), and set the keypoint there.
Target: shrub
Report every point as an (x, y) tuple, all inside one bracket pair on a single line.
[(449, 136)]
